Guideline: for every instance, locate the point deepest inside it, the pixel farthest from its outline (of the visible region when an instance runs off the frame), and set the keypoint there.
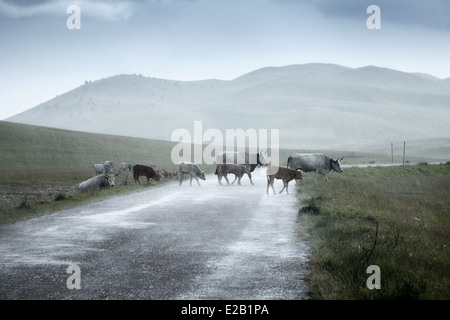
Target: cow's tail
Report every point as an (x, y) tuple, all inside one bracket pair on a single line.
[(289, 160)]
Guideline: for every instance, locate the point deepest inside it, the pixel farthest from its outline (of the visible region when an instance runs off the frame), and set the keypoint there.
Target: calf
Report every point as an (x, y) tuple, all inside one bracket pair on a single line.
[(236, 169), (285, 174), (126, 167), (146, 171), (164, 174), (191, 169)]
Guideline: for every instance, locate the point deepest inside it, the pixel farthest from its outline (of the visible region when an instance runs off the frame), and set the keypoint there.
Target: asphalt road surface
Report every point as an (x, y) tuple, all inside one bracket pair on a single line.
[(167, 243)]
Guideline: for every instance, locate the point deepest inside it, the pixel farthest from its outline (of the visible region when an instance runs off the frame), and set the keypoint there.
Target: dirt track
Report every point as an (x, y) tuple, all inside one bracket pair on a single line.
[(168, 242)]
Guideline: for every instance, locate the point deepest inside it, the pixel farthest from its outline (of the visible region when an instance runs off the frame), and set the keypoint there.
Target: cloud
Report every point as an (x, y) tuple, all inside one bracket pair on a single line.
[(428, 14), (104, 10)]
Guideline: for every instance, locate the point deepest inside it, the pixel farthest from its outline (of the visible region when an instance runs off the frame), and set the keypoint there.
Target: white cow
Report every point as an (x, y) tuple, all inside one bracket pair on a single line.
[(314, 162), (100, 182), (191, 169), (106, 167), (126, 167)]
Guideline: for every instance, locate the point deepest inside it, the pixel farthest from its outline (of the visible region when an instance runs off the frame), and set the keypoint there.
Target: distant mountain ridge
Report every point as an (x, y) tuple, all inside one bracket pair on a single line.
[(313, 105)]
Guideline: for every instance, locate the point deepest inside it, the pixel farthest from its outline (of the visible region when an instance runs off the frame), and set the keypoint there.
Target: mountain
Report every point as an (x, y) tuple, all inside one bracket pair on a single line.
[(313, 106)]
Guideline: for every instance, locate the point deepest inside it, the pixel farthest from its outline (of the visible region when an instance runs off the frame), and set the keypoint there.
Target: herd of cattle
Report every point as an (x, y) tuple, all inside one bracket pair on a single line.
[(227, 163)]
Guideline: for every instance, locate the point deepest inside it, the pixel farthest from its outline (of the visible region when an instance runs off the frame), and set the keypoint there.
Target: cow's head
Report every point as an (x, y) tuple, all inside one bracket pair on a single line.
[(111, 179), (201, 175), (261, 158), (298, 175), (336, 165)]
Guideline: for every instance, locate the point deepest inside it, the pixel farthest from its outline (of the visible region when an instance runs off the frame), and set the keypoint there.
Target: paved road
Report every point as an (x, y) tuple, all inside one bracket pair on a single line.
[(166, 242)]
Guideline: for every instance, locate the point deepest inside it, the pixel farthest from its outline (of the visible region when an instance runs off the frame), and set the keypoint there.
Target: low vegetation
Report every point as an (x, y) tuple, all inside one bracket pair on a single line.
[(396, 218)]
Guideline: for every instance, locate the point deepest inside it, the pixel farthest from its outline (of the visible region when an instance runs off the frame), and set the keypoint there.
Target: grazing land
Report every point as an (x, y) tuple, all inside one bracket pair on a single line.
[(41, 166), (397, 218)]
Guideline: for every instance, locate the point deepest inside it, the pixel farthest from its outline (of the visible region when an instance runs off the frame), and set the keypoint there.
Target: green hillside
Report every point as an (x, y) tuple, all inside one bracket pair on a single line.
[(35, 151)]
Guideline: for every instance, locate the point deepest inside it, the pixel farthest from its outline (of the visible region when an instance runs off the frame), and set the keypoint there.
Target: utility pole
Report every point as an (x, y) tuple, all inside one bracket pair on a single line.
[(404, 147), (392, 152)]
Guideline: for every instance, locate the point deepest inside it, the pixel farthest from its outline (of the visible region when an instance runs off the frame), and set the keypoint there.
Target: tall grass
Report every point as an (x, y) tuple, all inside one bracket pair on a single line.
[(395, 217)]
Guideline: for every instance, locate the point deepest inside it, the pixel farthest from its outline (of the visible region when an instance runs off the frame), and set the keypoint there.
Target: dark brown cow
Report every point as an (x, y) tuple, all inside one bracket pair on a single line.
[(285, 174), (146, 171)]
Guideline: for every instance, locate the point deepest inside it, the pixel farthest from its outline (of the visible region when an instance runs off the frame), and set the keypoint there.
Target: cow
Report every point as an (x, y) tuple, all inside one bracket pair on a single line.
[(105, 168), (314, 162), (164, 174), (244, 158), (109, 164), (285, 174), (100, 182), (146, 171), (191, 169), (236, 169), (126, 167)]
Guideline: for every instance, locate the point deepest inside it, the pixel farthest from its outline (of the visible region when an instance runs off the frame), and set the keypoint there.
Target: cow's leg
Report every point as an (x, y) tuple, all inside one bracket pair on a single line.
[(270, 181), (250, 177), (284, 186), (235, 178), (226, 178), (180, 178)]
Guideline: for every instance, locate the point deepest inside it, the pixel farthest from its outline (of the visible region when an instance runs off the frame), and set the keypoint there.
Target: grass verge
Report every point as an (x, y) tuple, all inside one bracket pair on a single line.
[(30, 208), (396, 218)]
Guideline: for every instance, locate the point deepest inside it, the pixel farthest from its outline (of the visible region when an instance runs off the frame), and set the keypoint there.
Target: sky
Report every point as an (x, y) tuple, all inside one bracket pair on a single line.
[(41, 57)]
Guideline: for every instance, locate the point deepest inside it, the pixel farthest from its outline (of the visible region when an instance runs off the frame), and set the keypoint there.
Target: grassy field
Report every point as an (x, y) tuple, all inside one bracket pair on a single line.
[(40, 167), (397, 218)]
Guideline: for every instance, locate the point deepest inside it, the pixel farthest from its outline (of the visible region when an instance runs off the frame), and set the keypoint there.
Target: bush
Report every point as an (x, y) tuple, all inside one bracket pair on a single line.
[(61, 197), (24, 204), (312, 206)]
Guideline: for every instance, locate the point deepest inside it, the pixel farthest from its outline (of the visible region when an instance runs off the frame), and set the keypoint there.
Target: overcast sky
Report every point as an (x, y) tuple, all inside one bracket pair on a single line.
[(204, 39)]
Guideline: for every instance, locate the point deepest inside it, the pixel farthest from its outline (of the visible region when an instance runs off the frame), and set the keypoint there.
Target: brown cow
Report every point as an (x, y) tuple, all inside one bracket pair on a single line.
[(146, 171), (164, 174), (283, 173), (236, 169)]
